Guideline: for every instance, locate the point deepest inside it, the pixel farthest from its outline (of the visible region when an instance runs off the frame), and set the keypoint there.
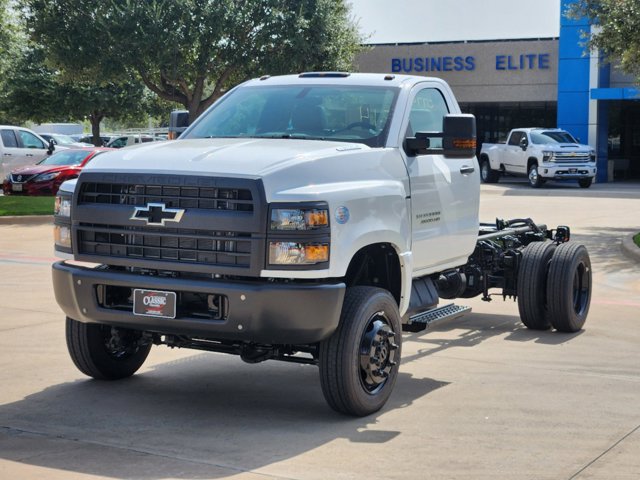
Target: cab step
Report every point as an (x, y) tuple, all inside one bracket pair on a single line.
[(446, 312)]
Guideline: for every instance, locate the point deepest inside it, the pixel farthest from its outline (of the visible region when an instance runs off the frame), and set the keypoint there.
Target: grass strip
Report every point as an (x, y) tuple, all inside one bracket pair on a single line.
[(19, 205)]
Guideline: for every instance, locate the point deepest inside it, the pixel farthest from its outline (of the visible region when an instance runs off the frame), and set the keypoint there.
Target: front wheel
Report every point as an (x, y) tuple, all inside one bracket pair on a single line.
[(359, 362), (105, 352), (535, 180), (487, 174), (585, 182)]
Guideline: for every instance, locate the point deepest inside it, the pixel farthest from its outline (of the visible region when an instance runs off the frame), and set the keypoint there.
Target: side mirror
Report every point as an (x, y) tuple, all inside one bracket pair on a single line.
[(178, 123), (52, 146), (524, 143), (458, 138)]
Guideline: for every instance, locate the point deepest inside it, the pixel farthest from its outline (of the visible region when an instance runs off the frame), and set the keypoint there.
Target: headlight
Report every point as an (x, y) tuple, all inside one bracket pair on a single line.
[(46, 177), (297, 253), (62, 206), (288, 219), (62, 236), (592, 156), (548, 157)]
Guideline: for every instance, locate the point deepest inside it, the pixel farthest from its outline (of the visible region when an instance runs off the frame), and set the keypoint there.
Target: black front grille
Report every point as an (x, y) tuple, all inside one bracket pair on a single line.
[(166, 244), (220, 229), (207, 198), (20, 178)]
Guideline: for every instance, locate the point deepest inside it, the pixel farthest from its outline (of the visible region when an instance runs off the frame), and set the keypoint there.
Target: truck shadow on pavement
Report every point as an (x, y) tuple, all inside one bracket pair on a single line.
[(210, 415), (516, 186), (476, 328), (202, 416)]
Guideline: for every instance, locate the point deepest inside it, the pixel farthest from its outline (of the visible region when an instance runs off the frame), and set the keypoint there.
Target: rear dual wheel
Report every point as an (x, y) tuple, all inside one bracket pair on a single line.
[(569, 287), (554, 286)]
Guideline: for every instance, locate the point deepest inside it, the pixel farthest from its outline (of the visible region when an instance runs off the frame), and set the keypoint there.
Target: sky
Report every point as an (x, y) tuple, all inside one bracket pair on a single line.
[(422, 21)]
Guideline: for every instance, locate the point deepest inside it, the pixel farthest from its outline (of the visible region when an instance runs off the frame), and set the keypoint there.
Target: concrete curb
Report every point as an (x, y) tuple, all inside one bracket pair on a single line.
[(630, 248), (26, 220)]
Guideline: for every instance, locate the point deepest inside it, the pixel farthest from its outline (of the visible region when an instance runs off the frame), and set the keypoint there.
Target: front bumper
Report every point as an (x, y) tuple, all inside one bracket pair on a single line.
[(260, 311), (559, 171), (30, 188)]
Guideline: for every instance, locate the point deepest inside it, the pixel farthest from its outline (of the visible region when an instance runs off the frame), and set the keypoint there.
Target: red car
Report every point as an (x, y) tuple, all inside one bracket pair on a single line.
[(45, 177)]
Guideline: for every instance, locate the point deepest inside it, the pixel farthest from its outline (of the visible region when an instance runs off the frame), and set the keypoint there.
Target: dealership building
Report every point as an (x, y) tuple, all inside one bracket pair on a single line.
[(522, 64)]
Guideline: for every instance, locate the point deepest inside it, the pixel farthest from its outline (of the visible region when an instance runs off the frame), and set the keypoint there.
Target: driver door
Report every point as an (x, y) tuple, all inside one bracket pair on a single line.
[(444, 190)]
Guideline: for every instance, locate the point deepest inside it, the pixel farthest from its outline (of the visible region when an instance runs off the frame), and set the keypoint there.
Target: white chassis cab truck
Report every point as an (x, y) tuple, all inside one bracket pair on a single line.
[(540, 154), (308, 218)]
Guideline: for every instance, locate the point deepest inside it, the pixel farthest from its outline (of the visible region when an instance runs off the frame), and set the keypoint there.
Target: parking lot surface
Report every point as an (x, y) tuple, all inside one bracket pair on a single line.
[(479, 397)]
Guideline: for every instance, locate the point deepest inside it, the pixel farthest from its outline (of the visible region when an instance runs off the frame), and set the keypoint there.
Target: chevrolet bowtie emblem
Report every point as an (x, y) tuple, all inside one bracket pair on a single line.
[(157, 214)]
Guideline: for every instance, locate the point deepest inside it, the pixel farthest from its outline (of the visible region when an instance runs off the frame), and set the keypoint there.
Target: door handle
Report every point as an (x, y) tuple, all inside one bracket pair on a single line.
[(466, 170), (29, 155), (6, 154)]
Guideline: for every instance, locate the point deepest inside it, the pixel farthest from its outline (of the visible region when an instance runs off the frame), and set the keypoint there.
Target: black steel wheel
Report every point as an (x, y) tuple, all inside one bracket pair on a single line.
[(535, 180), (532, 285), (585, 182), (359, 362), (569, 287), (104, 352), (487, 174)]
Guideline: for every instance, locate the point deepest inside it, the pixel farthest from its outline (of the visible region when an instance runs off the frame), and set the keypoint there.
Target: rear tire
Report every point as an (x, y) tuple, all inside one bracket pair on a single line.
[(532, 285), (569, 287), (585, 182), (535, 180), (487, 174), (359, 363), (104, 352)]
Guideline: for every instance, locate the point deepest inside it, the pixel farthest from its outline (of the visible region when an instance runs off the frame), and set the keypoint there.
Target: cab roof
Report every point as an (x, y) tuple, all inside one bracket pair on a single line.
[(341, 78)]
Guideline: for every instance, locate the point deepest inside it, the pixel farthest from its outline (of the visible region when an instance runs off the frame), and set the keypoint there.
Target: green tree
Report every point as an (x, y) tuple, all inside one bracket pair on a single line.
[(33, 91), (192, 51), (10, 40), (618, 34)]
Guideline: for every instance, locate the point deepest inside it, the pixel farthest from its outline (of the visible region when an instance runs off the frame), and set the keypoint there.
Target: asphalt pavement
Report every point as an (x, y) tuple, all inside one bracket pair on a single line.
[(480, 397)]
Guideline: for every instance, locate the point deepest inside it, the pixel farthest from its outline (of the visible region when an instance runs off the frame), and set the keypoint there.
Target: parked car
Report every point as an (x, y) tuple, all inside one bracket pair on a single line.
[(45, 177), (128, 140), (105, 138), (64, 140), (20, 146)]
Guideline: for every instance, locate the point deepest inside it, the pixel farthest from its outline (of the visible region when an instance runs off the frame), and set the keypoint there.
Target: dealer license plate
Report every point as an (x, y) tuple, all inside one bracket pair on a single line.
[(154, 303), (16, 187), (573, 170)]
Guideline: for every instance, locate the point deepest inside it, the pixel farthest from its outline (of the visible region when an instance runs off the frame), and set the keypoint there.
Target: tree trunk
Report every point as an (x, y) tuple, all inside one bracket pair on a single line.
[(95, 118)]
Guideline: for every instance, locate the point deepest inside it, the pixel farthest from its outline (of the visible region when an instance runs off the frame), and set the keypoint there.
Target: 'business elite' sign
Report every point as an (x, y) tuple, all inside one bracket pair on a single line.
[(525, 61)]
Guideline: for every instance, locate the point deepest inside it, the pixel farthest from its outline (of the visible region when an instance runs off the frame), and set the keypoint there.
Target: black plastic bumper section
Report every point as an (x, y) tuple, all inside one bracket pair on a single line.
[(261, 311)]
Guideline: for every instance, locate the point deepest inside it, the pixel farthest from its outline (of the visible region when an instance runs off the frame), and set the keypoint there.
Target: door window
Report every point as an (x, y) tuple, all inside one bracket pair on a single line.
[(29, 140), (427, 113), (515, 138), (9, 139)]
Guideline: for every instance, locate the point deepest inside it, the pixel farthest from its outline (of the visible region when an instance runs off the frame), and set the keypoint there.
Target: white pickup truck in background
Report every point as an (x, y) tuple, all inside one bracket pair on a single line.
[(541, 154)]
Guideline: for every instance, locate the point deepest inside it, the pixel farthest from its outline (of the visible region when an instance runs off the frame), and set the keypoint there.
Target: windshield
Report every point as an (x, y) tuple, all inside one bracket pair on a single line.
[(542, 138), (62, 139), (327, 112), (67, 157)]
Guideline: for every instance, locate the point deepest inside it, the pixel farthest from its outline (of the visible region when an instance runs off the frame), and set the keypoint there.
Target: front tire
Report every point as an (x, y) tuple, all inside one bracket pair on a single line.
[(585, 182), (359, 363), (487, 174), (104, 352), (535, 180), (569, 287)]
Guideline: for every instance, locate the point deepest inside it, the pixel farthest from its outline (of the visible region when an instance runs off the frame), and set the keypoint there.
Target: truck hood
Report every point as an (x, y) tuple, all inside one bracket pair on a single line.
[(240, 157), (566, 147)]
